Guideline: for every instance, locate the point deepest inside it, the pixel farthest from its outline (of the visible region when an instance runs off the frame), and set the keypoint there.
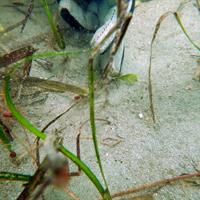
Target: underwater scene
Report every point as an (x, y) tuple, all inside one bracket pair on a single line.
[(99, 99)]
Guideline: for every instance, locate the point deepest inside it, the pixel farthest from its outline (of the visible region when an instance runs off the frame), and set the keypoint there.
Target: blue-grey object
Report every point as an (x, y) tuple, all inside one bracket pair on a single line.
[(97, 16)]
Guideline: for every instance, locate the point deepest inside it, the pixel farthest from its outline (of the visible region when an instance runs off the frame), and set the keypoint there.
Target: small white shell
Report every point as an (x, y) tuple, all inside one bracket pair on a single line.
[(140, 115)]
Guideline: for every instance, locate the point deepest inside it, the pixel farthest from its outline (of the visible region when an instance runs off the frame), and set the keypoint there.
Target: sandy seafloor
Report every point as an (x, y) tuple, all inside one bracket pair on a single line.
[(148, 152)]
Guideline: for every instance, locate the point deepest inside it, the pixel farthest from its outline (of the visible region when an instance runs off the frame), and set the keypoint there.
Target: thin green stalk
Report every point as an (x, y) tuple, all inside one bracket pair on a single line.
[(84, 168), (46, 55), (56, 53), (24, 122), (57, 35), (184, 30), (5, 139), (14, 176), (92, 120)]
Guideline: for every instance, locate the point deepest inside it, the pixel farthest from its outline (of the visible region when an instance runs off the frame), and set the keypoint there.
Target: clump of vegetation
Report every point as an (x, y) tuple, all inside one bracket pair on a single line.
[(59, 167), (25, 56)]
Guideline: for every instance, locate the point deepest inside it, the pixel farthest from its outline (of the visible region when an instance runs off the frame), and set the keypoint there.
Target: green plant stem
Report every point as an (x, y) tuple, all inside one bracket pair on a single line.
[(46, 55), (55, 53), (24, 122), (84, 168), (14, 176), (57, 35), (178, 19), (5, 139), (92, 119)]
